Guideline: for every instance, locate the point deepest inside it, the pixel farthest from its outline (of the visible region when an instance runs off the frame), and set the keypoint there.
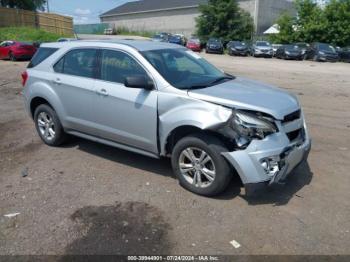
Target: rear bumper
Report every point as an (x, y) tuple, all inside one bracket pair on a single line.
[(329, 58), (300, 56), (216, 51), (239, 52), (276, 149)]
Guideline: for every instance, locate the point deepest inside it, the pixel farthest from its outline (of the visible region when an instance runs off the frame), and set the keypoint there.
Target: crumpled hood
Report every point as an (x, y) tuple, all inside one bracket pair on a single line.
[(242, 93)]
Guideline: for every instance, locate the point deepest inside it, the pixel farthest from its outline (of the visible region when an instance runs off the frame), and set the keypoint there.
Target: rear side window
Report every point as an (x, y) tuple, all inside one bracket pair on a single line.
[(79, 62), (41, 55)]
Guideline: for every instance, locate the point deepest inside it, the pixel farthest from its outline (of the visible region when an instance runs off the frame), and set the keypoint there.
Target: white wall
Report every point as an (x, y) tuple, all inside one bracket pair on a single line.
[(174, 21)]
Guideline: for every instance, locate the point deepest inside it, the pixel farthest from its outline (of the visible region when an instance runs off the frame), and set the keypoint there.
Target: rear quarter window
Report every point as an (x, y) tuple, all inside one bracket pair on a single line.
[(41, 55)]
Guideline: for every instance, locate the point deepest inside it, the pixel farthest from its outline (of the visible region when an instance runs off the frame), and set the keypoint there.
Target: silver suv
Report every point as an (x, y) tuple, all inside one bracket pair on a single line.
[(162, 100)]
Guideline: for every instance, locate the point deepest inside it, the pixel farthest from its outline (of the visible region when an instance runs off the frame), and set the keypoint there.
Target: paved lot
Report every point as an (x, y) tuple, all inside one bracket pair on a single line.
[(94, 199)]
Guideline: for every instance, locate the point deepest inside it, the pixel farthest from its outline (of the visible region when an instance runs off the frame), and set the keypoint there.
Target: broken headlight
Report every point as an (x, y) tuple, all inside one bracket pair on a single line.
[(250, 125)]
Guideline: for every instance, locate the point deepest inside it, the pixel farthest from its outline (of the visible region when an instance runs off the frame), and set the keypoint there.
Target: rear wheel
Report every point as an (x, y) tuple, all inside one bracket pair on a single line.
[(12, 57), (199, 165), (48, 125)]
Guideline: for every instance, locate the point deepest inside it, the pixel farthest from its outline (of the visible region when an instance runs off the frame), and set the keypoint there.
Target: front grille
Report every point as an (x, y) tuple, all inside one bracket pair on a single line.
[(291, 117), (294, 135)]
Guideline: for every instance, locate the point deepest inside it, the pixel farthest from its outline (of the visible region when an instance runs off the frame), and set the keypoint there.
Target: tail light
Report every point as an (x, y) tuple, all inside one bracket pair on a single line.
[(24, 78)]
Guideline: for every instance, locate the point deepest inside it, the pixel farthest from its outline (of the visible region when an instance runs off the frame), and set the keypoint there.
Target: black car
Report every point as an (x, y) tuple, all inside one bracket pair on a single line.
[(289, 52), (323, 52), (305, 49), (214, 45), (237, 48), (344, 54)]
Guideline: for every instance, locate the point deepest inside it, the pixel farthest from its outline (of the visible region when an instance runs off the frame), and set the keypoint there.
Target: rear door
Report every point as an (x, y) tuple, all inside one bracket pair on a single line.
[(124, 115), (74, 84)]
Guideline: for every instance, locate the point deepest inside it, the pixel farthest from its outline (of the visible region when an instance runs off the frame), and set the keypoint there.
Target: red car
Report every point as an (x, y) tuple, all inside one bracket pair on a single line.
[(14, 50), (194, 45)]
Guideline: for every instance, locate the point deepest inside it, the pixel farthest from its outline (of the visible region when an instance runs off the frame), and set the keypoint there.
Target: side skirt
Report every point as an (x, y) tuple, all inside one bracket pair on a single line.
[(113, 144)]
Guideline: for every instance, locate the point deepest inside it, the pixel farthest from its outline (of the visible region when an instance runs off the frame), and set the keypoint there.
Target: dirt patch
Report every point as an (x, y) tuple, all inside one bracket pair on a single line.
[(120, 229)]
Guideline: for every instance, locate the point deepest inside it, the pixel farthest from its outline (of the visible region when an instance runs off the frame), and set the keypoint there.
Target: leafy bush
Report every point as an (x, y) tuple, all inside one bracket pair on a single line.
[(28, 34), (127, 31), (314, 24)]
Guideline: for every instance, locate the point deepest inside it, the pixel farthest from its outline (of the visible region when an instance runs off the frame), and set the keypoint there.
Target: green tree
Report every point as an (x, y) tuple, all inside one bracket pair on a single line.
[(313, 24), (31, 5), (224, 19), (286, 26)]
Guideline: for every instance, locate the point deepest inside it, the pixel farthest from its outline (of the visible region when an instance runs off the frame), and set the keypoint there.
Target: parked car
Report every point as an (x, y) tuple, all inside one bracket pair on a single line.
[(65, 39), (305, 49), (344, 54), (194, 44), (289, 52), (159, 38), (214, 45), (323, 52), (211, 124), (109, 31), (262, 48), (166, 36), (237, 48), (178, 39), (15, 50), (275, 47)]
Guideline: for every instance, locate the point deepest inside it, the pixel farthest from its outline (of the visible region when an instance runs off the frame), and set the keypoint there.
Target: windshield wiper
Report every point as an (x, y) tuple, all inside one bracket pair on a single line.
[(219, 79)]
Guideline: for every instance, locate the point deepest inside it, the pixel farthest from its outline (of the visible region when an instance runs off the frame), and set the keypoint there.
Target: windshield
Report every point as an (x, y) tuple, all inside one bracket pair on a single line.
[(291, 47), (325, 47), (175, 38), (237, 43), (157, 37), (213, 41), (262, 43), (184, 69)]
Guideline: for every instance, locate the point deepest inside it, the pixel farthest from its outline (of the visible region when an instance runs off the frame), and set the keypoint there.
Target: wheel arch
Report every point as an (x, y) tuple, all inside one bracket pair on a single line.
[(37, 101)]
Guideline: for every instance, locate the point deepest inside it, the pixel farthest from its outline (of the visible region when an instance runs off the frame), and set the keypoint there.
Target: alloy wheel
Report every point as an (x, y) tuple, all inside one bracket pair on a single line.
[(197, 167), (46, 126)]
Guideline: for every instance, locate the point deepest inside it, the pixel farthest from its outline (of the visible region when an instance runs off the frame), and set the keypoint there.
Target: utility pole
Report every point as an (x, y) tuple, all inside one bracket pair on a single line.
[(47, 6)]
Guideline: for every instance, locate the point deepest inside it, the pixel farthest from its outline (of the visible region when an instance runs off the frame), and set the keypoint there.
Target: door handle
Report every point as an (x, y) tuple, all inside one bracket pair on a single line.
[(57, 81), (102, 92)]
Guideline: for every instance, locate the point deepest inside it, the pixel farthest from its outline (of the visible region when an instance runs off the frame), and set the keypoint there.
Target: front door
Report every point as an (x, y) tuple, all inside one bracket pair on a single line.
[(124, 115)]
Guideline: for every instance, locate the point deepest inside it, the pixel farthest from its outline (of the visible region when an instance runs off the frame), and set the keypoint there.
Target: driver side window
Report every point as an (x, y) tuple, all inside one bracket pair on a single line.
[(117, 65)]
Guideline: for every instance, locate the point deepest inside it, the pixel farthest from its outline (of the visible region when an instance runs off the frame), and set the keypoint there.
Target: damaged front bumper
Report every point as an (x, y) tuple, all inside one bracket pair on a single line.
[(270, 160)]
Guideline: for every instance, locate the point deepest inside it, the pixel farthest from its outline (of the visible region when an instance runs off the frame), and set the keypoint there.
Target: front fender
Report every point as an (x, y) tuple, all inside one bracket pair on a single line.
[(176, 110)]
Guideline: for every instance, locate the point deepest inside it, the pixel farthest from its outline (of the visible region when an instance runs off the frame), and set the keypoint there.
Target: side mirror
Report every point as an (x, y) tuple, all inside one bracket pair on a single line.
[(139, 82)]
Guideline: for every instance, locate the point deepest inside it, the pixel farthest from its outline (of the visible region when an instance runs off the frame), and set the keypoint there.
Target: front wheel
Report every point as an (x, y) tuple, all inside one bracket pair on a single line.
[(48, 125), (199, 165)]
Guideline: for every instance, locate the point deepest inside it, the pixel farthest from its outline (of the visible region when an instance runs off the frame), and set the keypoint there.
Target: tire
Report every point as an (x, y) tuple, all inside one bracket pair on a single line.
[(12, 57), (213, 148), (48, 125)]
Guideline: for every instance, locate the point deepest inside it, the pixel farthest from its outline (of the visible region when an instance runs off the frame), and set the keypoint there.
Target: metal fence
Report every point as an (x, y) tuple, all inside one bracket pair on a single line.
[(91, 28), (55, 23)]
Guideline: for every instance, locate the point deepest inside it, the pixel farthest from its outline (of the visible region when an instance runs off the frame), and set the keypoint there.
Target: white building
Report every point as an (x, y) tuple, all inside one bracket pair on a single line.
[(178, 16), (321, 3)]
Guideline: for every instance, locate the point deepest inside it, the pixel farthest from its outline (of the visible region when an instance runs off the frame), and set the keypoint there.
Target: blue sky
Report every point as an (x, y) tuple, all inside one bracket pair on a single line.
[(83, 11)]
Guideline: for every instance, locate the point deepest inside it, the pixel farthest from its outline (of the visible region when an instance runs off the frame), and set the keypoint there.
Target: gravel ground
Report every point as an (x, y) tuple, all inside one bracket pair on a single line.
[(87, 198)]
